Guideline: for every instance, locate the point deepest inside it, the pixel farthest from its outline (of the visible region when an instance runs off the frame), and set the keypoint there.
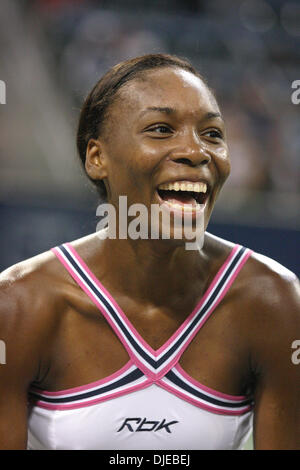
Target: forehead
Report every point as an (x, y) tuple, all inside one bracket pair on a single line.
[(166, 87)]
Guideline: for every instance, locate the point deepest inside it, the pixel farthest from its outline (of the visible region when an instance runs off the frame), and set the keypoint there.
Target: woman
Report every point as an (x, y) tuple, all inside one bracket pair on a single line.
[(141, 343)]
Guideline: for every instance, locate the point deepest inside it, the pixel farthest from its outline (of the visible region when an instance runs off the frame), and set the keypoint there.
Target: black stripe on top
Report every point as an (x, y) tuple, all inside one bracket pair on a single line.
[(131, 377), (204, 309), (112, 311), (215, 401), (155, 363)]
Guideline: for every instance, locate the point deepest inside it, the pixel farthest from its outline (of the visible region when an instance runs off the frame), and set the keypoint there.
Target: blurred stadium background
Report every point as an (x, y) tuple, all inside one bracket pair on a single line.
[(53, 51)]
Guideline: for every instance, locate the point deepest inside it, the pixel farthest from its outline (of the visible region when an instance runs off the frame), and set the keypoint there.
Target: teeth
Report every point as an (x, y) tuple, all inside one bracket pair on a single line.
[(178, 186), (185, 207)]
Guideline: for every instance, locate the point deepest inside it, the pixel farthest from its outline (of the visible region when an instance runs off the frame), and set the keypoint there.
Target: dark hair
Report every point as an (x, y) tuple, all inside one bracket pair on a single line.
[(96, 105)]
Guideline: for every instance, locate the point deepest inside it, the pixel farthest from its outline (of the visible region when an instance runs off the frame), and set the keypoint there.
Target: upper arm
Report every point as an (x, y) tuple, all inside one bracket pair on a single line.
[(20, 358), (277, 394)]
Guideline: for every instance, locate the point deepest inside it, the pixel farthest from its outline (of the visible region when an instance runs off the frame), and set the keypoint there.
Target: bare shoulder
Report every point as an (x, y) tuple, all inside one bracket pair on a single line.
[(272, 285), (36, 296), (34, 292), (264, 312), (273, 309), (38, 279), (264, 295), (273, 268), (262, 279), (25, 283), (31, 303), (269, 296)]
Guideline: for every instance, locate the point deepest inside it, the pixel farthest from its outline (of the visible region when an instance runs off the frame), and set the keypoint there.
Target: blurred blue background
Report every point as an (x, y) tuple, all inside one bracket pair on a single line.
[(53, 51)]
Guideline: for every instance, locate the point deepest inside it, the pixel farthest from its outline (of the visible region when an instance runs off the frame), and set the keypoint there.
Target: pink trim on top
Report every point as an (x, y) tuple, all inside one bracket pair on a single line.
[(52, 406), (207, 315), (94, 299), (208, 389), (112, 300), (155, 378), (81, 388), (221, 411), (154, 352), (203, 298)]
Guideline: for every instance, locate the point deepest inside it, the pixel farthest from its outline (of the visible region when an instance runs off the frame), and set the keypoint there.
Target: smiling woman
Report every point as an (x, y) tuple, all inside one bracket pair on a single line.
[(107, 338), (94, 111), (160, 110)]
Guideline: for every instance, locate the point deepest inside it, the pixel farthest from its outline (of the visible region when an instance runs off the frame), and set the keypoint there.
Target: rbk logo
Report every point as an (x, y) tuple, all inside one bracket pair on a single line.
[(139, 424)]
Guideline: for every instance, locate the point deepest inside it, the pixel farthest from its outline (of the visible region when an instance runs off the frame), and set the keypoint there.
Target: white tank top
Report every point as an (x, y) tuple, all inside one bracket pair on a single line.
[(151, 402)]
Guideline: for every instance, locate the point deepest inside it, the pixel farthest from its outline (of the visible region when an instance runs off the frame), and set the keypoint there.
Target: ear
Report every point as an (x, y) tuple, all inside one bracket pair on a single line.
[(95, 161)]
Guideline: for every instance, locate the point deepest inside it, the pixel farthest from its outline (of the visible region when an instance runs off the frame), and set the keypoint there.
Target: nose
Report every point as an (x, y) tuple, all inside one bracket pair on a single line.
[(191, 151)]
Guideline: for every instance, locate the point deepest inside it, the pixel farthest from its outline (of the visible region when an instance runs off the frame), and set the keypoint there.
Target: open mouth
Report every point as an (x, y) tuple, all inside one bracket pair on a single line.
[(181, 194)]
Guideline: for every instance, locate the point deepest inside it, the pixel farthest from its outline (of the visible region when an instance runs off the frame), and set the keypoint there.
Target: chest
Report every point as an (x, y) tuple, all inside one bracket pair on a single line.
[(87, 348)]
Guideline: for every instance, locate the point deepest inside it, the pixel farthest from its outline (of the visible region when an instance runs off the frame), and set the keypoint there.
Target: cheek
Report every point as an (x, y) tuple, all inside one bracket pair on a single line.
[(222, 162), (130, 166), (136, 158)]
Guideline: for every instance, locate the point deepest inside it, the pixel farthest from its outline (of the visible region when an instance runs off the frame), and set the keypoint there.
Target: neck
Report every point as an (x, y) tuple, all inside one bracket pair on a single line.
[(153, 270)]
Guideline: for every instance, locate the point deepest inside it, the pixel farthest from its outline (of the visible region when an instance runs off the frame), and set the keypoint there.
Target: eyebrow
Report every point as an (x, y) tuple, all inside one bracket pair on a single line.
[(168, 111), (159, 109)]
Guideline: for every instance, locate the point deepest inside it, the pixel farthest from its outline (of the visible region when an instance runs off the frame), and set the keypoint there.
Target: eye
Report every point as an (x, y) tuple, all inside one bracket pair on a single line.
[(214, 134), (159, 129)]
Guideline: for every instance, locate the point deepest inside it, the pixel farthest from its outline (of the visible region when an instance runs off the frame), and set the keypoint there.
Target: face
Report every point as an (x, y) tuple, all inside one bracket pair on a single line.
[(162, 130)]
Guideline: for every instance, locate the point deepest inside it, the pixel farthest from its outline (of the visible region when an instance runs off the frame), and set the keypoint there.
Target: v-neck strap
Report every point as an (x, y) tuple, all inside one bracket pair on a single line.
[(154, 363)]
